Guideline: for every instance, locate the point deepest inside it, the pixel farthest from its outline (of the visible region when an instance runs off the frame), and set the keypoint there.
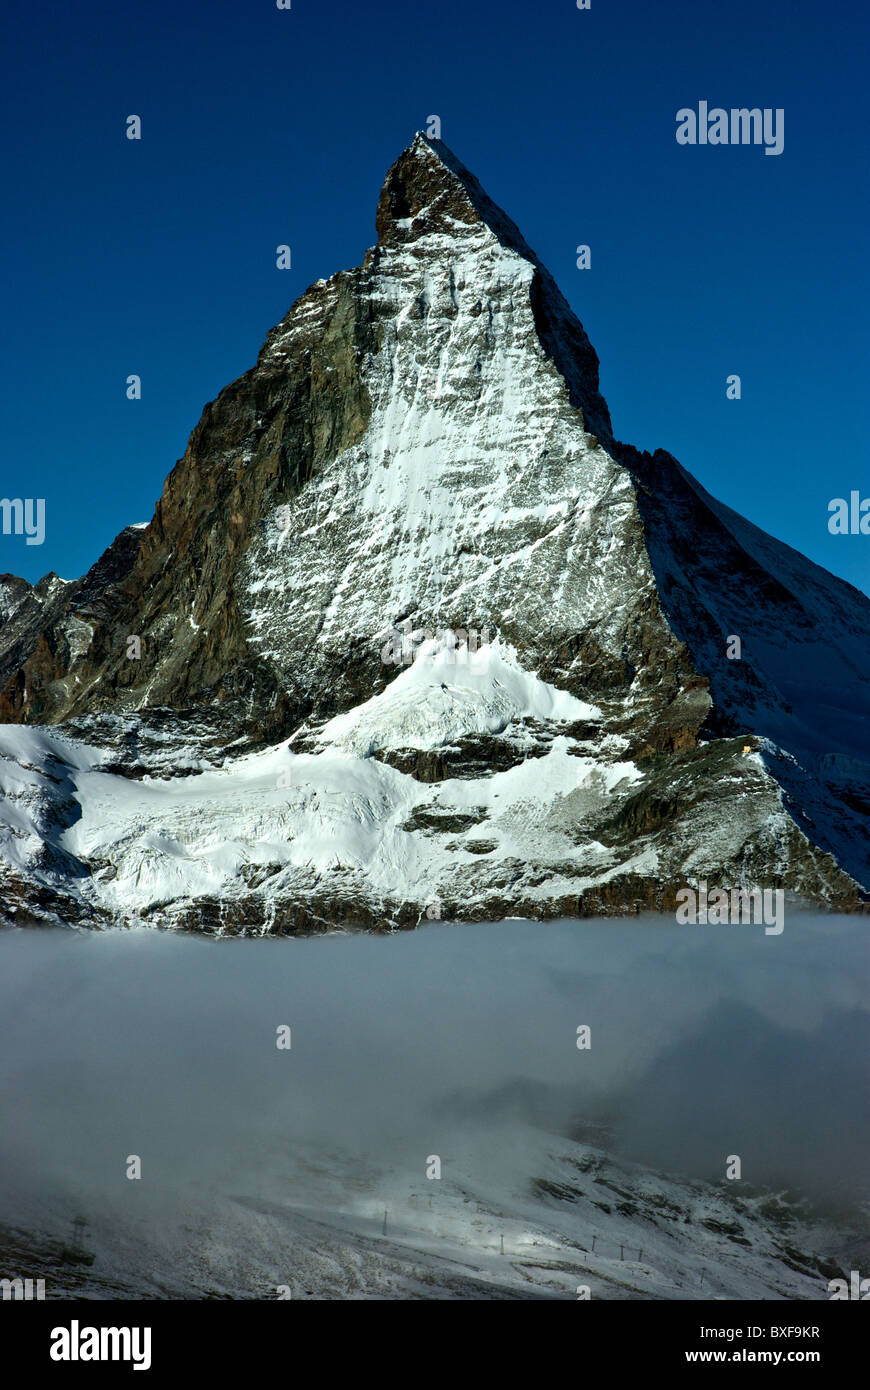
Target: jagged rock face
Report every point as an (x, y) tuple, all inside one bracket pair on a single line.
[(257, 443), (422, 446), (803, 679)]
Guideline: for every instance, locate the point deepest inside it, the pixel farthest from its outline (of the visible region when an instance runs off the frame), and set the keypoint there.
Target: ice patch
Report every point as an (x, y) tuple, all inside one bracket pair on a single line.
[(448, 693)]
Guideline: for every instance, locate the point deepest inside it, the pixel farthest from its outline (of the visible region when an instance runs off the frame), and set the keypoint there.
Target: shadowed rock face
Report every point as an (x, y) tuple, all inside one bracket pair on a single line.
[(422, 445), (171, 583)]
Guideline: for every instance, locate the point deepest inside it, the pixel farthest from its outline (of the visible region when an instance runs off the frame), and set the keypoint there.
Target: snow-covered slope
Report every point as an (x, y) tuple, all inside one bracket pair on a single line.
[(307, 833), (577, 1224), (447, 693)]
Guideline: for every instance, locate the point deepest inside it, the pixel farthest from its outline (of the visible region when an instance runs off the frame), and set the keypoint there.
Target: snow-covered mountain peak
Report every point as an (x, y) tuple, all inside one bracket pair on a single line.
[(422, 444), (429, 188)]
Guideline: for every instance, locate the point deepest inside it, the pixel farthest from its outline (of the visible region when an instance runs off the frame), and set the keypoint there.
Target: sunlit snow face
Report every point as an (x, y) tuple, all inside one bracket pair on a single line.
[(286, 817), (475, 493), (449, 692)]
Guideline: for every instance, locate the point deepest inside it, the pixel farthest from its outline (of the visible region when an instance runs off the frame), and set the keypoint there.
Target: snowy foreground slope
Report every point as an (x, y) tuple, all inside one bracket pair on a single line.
[(336, 824), (417, 635), (580, 1225)]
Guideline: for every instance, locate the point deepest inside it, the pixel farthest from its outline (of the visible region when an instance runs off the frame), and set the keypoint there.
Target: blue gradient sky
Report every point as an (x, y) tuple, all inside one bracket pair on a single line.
[(263, 126)]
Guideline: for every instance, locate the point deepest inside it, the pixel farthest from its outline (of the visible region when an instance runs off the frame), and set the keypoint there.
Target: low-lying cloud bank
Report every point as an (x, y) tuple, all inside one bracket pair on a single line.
[(705, 1042)]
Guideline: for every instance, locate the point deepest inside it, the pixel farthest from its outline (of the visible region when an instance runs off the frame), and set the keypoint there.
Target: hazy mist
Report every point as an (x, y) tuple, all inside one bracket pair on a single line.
[(706, 1041)]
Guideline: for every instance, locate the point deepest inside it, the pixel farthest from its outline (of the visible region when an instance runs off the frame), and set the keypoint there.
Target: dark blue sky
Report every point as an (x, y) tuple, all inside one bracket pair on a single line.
[(263, 126)]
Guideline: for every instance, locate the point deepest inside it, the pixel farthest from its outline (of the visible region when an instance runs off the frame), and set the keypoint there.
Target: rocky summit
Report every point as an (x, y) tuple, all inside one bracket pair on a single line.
[(411, 635)]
